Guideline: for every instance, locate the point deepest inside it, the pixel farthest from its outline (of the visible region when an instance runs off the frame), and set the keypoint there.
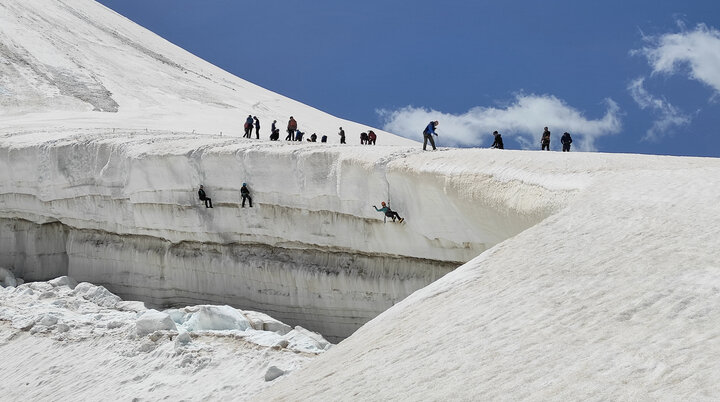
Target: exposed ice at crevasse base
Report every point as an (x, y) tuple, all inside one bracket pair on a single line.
[(62, 306)]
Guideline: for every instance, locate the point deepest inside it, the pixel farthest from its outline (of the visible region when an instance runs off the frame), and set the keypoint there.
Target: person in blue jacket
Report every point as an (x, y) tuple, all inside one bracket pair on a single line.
[(388, 212), (428, 133)]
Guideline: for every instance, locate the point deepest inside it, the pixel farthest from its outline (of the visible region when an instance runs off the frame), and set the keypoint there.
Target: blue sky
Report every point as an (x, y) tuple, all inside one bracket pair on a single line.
[(621, 76)]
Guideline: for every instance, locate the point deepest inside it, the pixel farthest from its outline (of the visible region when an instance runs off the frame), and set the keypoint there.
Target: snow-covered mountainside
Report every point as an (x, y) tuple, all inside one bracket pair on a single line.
[(584, 276), (615, 297)]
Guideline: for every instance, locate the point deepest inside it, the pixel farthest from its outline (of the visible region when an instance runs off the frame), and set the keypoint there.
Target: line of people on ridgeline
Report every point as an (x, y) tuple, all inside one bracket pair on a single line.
[(430, 130), (294, 134)]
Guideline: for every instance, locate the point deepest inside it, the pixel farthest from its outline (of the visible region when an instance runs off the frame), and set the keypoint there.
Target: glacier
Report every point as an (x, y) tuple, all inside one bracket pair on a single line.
[(121, 210), (516, 275)]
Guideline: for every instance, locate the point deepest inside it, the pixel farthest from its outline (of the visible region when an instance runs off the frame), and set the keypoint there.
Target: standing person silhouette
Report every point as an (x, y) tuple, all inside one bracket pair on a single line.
[(566, 140), (342, 135), (248, 126), (291, 127), (545, 140)]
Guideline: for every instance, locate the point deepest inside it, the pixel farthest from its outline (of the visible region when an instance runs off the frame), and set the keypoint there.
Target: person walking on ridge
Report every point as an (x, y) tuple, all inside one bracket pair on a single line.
[(545, 140), (204, 197), (389, 213), (342, 135), (291, 127), (245, 193), (257, 127), (363, 138), (248, 126), (566, 140), (428, 133), (498, 144), (372, 137)]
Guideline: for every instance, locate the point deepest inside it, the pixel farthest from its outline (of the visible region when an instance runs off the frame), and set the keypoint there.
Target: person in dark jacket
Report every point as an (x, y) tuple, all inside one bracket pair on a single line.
[(323, 138), (388, 212), (257, 127), (372, 137), (498, 141), (313, 137), (204, 197), (342, 135), (363, 138), (566, 140), (274, 131), (428, 133), (291, 127), (248, 126), (545, 140), (245, 193), (298, 135)]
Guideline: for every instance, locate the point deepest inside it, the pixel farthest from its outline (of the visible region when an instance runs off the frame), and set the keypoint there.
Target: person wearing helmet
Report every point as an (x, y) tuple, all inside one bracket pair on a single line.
[(388, 212), (245, 192), (428, 133)]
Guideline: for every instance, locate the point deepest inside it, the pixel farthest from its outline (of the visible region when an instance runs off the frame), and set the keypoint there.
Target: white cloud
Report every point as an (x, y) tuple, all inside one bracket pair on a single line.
[(698, 49), (523, 120), (669, 115)]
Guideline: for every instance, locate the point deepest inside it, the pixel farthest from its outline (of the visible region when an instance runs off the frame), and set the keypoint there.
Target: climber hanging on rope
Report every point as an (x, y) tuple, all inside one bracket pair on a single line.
[(389, 212)]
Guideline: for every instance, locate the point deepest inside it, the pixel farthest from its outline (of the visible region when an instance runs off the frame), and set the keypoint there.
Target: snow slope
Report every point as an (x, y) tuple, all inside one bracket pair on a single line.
[(78, 64), (614, 297)]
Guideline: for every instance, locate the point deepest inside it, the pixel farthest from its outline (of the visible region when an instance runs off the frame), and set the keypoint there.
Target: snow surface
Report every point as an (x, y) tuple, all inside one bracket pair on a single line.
[(585, 276), (56, 337)]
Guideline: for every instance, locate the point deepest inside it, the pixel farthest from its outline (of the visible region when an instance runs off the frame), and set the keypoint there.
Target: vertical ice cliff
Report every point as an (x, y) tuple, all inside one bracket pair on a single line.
[(121, 210)]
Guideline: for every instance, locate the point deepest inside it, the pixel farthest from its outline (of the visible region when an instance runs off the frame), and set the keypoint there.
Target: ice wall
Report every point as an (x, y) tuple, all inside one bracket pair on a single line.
[(120, 209)]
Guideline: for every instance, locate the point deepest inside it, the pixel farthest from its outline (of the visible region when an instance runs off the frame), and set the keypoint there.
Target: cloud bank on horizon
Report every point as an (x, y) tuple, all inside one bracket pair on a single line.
[(523, 120), (693, 53)]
